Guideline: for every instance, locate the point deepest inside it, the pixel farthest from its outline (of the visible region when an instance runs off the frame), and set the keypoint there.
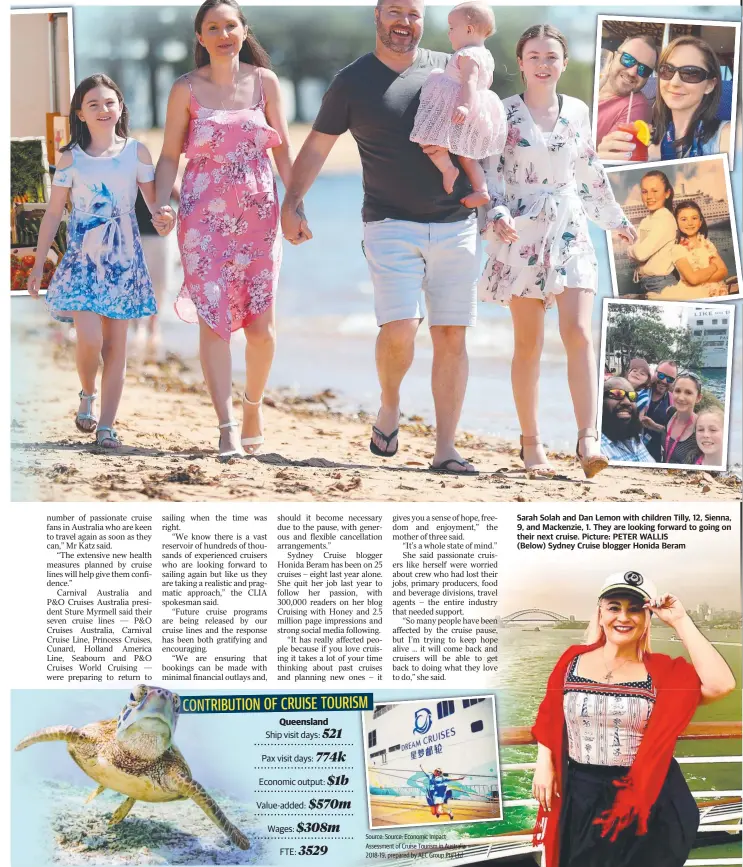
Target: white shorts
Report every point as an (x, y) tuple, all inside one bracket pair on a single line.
[(408, 261)]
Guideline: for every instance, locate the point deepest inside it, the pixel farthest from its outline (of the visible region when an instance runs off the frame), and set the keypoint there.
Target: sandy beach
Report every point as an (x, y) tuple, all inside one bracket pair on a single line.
[(312, 453)]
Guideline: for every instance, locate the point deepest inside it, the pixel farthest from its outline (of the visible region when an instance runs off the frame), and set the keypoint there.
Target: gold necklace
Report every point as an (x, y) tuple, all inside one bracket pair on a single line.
[(610, 671)]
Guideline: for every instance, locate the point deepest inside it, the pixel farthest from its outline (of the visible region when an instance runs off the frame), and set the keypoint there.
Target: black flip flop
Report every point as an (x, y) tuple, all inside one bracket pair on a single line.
[(374, 448), (445, 468)]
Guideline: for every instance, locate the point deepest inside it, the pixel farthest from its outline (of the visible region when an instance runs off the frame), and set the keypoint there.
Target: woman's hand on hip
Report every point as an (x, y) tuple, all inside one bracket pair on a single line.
[(544, 784), (668, 609)]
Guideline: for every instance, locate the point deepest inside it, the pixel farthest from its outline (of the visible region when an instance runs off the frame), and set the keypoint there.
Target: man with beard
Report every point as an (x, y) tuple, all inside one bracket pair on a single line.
[(654, 416), (417, 238), (621, 430), (626, 74)]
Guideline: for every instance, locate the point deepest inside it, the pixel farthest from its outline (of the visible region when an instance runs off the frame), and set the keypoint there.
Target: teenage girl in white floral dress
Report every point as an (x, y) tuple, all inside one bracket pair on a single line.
[(226, 115), (542, 188)]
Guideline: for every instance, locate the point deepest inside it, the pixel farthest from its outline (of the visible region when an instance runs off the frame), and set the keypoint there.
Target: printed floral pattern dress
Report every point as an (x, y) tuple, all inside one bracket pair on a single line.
[(103, 269), (228, 218), (549, 183), (698, 257)]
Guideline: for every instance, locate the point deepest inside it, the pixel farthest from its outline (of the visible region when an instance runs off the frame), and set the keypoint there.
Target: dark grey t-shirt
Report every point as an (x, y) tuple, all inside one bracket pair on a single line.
[(378, 106)]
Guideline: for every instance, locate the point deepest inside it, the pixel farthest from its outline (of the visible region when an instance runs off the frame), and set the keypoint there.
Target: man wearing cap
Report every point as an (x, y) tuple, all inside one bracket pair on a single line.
[(624, 77), (621, 430)]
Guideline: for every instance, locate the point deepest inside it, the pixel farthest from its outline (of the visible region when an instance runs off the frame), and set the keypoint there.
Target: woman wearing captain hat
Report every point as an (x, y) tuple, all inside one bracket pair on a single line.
[(609, 790)]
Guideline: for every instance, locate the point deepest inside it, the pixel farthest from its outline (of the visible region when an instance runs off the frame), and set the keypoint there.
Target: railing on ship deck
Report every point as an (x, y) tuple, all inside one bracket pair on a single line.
[(502, 846)]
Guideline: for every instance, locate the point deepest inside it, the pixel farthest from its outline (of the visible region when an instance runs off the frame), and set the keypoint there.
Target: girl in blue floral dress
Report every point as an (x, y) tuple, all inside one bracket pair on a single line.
[(102, 281)]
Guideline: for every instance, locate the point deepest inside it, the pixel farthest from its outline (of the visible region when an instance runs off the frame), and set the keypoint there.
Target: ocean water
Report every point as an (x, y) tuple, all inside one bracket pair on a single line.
[(326, 331)]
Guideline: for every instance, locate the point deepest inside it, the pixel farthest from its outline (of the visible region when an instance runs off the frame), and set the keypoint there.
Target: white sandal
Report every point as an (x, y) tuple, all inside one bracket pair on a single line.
[(86, 416), (107, 438), (260, 439), (234, 453)]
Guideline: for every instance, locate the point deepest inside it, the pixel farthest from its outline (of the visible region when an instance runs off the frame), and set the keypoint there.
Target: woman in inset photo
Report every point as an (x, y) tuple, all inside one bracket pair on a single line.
[(652, 252), (610, 792), (685, 120), (679, 439), (699, 265)]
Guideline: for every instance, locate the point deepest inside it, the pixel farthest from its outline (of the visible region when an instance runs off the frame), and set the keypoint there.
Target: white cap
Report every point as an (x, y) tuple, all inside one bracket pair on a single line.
[(629, 582)]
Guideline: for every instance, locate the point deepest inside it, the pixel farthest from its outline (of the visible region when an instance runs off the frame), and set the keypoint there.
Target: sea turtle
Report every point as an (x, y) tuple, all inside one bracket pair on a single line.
[(135, 755)]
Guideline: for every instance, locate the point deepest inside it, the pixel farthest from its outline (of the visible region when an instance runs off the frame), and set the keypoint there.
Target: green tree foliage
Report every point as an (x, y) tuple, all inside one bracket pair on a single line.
[(27, 170), (302, 42), (636, 331)]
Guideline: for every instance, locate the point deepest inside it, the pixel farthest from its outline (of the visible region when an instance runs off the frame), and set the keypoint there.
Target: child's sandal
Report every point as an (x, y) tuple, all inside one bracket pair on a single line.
[(86, 416), (109, 440)]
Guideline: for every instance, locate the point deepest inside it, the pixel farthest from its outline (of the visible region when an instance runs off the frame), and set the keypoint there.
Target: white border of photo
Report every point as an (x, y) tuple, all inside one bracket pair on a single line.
[(697, 22), (645, 167), (730, 310), (364, 734)]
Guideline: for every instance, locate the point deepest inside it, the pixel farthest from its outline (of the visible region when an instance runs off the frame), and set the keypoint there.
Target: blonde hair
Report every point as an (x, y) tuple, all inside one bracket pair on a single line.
[(595, 634), (479, 15), (712, 410)]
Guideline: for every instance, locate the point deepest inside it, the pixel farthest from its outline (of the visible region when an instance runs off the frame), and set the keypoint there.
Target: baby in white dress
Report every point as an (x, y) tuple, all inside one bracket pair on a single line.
[(458, 112)]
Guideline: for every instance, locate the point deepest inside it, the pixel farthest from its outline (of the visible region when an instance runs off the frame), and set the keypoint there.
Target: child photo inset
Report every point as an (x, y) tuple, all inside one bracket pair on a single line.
[(432, 761), (42, 62), (687, 249), (666, 394), (665, 89)]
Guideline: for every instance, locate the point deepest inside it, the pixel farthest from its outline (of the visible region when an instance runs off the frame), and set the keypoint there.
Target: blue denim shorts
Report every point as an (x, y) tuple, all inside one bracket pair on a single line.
[(409, 262), (655, 284)]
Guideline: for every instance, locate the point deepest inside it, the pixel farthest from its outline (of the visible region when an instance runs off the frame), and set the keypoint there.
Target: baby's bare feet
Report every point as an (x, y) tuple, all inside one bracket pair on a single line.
[(476, 199), (450, 178)]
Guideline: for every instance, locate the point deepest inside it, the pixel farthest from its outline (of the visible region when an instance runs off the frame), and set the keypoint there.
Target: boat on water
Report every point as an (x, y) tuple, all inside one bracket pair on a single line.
[(721, 812)]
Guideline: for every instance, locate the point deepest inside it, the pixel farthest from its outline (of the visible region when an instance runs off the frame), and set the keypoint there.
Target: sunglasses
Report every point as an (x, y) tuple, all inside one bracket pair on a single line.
[(666, 377), (689, 374), (620, 394), (628, 61), (687, 74)]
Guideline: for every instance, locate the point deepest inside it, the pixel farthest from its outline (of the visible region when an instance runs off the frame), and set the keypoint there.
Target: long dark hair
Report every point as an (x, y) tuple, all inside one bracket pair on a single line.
[(666, 184), (251, 52), (79, 132), (706, 111), (693, 206)]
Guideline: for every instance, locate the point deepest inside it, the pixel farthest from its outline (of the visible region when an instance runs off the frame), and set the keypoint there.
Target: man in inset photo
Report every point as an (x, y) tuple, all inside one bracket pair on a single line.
[(621, 429), (620, 98)]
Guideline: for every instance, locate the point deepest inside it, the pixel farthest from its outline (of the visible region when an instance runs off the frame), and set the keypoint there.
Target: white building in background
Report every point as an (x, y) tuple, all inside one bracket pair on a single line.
[(457, 735), (715, 210), (712, 327)]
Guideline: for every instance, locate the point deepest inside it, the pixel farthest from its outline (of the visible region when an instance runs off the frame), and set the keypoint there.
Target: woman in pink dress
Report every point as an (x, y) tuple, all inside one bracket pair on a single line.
[(225, 116)]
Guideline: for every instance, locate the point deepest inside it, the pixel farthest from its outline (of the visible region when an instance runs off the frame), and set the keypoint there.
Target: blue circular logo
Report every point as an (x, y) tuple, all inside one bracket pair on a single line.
[(423, 721)]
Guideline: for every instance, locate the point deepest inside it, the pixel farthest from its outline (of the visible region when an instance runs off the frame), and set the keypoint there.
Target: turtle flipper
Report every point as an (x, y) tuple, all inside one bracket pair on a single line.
[(198, 794), (122, 811), (94, 794), (70, 734)]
